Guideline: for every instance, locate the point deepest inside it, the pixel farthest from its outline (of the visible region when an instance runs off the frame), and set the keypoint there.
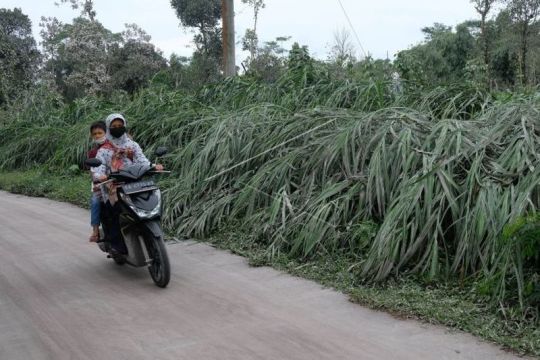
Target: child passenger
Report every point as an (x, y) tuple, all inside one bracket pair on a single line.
[(99, 139)]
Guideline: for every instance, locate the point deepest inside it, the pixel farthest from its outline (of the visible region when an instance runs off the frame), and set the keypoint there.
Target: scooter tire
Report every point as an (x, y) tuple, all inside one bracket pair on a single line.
[(119, 260), (160, 270)]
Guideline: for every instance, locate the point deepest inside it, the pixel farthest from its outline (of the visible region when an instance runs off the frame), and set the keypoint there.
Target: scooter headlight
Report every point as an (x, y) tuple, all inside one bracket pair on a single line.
[(143, 214)]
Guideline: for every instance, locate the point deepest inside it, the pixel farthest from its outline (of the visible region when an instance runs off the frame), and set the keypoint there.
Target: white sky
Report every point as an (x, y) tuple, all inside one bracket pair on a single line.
[(384, 26)]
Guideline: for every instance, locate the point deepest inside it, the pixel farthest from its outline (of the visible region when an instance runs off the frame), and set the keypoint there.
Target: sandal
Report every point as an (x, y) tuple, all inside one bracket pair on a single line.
[(94, 238)]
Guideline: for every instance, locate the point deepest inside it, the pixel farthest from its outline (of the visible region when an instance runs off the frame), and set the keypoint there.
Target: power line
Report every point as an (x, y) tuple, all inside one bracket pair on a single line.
[(352, 28)]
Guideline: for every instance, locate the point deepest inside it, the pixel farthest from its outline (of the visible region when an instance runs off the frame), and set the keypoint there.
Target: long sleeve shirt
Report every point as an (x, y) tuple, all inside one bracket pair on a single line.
[(106, 154)]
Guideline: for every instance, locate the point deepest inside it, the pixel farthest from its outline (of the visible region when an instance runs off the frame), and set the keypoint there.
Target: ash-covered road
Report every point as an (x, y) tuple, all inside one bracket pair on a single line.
[(60, 298)]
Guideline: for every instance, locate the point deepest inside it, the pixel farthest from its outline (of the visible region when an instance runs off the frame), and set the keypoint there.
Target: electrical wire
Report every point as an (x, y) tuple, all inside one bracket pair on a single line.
[(352, 28)]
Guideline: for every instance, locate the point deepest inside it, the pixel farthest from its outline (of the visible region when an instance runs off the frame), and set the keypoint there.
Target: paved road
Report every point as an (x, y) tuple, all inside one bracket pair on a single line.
[(60, 298)]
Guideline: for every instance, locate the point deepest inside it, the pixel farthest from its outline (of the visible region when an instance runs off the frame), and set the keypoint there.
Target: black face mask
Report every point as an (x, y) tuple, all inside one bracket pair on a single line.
[(117, 132)]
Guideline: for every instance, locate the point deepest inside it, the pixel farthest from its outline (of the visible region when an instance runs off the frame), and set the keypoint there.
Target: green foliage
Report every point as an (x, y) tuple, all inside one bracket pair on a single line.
[(498, 52), (187, 74), (85, 58), (41, 183), (442, 59), (269, 63), (19, 56), (250, 41), (201, 14), (204, 15), (133, 65), (524, 13), (516, 274), (342, 53), (306, 161), (86, 7), (77, 56)]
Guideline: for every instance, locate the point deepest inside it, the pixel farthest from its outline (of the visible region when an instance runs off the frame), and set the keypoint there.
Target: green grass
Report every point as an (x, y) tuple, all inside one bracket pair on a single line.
[(454, 305), (72, 188)]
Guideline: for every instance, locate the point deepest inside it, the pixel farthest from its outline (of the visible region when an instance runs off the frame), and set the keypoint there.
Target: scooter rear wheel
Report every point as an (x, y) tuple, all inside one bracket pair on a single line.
[(119, 260)]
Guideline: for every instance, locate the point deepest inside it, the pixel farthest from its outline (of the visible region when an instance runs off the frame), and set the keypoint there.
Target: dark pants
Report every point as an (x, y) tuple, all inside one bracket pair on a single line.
[(110, 218), (95, 210)]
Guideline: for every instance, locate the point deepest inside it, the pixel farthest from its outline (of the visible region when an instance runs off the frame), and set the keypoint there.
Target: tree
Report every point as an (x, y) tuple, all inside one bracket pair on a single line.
[(133, 64), (86, 6), (251, 40), (204, 15), (441, 59), (524, 13), (483, 7), (175, 75), (500, 51), (504, 63), (77, 55), (437, 30), (19, 57), (343, 51), (269, 64), (201, 14), (300, 66), (85, 58)]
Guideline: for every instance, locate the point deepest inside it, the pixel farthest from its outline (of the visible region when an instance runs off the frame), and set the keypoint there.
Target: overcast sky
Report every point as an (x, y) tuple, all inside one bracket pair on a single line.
[(383, 26)]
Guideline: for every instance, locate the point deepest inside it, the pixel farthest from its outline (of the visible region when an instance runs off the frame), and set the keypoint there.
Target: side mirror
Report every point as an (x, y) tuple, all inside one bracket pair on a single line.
[(160, 151), (92, 162)]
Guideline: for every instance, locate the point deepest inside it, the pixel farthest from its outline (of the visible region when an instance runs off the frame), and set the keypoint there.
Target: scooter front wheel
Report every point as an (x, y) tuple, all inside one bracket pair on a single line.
[(159, 268)]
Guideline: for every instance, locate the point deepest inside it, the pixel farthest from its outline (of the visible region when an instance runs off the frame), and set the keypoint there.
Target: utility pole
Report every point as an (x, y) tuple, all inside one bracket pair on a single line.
[(227, 13)]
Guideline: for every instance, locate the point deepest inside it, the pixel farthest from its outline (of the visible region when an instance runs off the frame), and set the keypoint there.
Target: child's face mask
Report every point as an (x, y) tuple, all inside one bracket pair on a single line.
[(99, 137), (100, 140)]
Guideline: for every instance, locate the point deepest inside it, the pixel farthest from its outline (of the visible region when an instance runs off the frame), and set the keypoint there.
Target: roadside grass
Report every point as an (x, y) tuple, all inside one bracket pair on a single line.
[(457, 306), (73, 188)]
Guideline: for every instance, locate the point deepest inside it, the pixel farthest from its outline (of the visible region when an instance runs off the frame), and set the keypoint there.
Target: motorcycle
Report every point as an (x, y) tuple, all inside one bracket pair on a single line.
[(138, 213)]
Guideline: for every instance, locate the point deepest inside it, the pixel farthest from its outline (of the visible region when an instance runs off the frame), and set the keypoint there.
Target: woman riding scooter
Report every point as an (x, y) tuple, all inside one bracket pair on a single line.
[(123, 153)]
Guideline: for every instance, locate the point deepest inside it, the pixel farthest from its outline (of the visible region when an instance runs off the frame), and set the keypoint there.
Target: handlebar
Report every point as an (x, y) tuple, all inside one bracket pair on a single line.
[(104, 182), (115, 175)]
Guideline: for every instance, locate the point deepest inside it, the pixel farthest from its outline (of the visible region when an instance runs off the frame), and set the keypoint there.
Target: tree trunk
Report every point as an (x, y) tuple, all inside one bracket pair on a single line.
[(255, 17), (229, 64), (205, 41), (255, 42), (483, 8), (524, 51), (485, 41)]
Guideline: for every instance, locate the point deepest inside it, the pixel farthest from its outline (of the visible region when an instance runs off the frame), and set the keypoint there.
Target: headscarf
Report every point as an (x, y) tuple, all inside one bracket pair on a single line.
[(122, 140), (119, 144)]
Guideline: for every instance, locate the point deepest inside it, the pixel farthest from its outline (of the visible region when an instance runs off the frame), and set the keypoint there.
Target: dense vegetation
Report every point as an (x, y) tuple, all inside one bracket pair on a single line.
[(432, 175), (425, 184)]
